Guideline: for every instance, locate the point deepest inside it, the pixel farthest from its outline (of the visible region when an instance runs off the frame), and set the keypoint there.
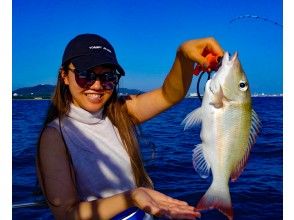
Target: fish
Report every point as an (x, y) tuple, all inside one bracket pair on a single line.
[(229, 127)]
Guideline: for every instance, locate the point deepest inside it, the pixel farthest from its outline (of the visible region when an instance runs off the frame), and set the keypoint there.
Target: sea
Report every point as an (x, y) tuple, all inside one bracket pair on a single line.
[(167, 152)]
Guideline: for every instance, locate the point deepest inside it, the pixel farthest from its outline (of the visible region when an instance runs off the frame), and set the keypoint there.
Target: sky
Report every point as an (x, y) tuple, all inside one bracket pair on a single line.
[(146, 35)]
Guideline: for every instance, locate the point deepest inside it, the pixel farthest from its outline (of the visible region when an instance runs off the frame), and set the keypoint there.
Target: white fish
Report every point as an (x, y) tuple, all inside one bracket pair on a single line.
[(229, 128)]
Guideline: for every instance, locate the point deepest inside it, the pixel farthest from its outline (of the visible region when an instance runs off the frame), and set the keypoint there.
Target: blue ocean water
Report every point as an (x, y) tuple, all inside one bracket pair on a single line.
[(167, 152)]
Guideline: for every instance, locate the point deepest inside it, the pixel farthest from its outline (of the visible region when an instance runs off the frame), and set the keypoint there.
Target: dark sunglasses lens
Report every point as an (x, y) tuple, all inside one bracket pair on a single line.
[(108, 85), (85, 79), (109, 80), (109, 77)]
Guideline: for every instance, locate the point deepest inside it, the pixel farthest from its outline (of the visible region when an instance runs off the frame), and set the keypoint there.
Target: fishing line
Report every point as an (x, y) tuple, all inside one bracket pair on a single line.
[(198, 83), (256, 17)]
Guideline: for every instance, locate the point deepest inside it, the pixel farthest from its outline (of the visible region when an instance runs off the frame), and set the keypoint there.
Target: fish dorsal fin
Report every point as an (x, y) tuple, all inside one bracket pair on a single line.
[(200, 164), (254, 130), (193, 118)]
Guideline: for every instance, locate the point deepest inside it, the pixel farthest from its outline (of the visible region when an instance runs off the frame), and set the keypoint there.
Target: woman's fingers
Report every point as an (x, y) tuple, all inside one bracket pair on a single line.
[(179, 211), (184, 216), (214, 47), (177, 202), (171, 210), (197, 50), (158, 204), (182, 213), (175, 212), (156, 209)]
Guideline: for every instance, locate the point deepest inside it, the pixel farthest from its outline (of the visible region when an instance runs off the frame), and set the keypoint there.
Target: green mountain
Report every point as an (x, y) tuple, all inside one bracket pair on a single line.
[(44, 91), (39, 91)]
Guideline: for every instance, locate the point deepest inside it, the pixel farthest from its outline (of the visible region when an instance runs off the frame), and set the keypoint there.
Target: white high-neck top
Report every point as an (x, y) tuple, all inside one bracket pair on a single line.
[(102, 166)]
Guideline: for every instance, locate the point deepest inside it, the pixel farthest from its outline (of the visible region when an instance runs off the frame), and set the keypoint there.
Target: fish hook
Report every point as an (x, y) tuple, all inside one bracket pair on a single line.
[(214, 63)]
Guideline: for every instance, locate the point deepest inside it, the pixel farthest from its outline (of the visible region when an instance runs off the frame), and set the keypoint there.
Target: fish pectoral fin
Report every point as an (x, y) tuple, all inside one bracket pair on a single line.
[(200, 164), (193, 118), (254, 130)]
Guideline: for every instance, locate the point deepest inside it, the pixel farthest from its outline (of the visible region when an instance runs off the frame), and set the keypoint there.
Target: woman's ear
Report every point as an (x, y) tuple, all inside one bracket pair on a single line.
[(64, 76)]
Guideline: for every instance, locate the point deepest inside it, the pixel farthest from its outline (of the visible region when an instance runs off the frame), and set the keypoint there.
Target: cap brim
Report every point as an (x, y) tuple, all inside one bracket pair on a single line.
[(89, 61)]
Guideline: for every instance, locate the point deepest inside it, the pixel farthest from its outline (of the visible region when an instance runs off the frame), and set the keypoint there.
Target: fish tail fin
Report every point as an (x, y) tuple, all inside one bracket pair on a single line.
[(217, 198)]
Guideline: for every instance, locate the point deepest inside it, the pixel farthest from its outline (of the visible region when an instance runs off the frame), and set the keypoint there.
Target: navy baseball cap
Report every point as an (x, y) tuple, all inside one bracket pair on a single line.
[(86, 51)]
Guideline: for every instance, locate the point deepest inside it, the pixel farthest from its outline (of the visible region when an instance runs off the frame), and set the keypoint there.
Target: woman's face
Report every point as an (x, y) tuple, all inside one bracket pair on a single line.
[(91, 99)]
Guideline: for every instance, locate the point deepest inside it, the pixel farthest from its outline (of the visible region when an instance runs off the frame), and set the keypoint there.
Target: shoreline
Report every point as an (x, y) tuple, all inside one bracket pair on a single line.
[(193, 97), (264, 96)]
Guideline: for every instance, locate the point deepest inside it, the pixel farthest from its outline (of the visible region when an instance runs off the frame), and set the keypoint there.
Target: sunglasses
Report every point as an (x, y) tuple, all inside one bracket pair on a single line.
[(86, 79)]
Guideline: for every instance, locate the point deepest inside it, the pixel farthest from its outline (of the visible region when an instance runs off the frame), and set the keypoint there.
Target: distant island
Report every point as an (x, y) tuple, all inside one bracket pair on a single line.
[(44, 91)]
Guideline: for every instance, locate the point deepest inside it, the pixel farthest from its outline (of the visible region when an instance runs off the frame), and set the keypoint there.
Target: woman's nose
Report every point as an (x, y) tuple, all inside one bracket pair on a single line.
[(97, 85)]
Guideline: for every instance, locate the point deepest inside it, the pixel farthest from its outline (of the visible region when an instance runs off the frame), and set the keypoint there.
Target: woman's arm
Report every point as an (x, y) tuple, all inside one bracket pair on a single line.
[(148, 200), (60, 190), (177, 82)]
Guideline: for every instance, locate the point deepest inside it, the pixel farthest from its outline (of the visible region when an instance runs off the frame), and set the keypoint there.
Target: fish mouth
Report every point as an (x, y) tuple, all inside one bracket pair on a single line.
[(217, 85), (228, 59), (234, 57)]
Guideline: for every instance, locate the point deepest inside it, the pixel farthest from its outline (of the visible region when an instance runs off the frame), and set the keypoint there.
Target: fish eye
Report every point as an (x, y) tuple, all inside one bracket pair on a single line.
[(243, 86)]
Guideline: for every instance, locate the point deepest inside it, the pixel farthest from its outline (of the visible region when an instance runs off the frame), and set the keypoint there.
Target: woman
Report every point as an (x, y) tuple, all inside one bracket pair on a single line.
[(88, 160)]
